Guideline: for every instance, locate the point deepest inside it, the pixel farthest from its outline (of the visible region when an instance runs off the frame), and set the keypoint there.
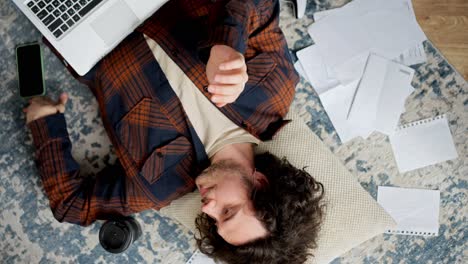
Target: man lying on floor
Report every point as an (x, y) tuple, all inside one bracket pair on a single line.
[(192, 91)]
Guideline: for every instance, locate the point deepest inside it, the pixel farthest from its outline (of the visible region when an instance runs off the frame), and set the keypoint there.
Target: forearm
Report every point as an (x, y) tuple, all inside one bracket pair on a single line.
[(228, 24), (58, 170), (73, 198)]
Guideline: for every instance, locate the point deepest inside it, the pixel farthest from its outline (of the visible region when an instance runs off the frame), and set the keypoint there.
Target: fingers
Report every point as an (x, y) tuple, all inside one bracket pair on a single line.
[(223, 99), (42, 106), (221, 104), (63, 98), (224, 89), (233, 64), (226, 72), (231, 78), (43, 102), (227, 87), (36, 99)]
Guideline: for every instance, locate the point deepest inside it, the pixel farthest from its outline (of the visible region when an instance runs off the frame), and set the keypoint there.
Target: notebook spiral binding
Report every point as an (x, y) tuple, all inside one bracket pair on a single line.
[(404, 232), (192, 258), (419, 122)]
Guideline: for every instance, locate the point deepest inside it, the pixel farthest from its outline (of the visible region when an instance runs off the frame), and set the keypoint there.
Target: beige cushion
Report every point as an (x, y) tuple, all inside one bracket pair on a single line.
[(352, 216)]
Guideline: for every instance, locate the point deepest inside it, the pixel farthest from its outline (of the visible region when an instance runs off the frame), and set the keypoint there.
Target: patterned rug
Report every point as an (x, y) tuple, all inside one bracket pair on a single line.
[(29, 233)]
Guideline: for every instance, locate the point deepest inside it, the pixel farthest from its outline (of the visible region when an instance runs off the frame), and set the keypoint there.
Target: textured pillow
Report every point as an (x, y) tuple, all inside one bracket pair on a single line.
[(352, 216)]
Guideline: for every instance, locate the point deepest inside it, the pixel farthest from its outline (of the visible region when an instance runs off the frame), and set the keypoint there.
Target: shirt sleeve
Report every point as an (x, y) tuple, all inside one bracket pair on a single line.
[(270, 70), (230, 22), (75, 198)]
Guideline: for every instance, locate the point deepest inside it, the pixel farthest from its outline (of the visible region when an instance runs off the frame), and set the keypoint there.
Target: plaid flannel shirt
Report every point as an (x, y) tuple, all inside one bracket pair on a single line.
[(159, 153)]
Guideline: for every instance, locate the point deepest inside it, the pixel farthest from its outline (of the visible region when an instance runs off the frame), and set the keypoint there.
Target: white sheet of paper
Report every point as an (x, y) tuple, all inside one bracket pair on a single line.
[(336, 101), (359, 7), (343, 35), (394, 31), (412, 56), (352, 69), (321, 14), (300, 69), (392, 97), (416, 211), (423, 143), (200, 258), (387, 26), (311, 61), (380, 96)]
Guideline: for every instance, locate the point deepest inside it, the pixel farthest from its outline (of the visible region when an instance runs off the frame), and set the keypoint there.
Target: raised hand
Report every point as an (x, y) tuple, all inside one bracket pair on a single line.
[(227, 74)]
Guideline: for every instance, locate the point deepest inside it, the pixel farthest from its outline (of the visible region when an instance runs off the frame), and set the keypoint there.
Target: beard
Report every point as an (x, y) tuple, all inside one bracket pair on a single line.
[(217, 171)]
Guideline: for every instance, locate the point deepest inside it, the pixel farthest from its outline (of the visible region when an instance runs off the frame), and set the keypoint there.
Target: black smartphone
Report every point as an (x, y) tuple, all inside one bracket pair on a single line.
[(30, 73)]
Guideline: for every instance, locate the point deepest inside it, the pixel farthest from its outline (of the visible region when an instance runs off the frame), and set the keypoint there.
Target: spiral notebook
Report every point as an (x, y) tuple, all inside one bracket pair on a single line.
[(416, 211), (422, 143), (200, 258)]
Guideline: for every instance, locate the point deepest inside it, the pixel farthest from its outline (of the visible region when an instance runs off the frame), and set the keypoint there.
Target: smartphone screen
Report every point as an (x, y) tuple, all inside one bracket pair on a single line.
[(31, 82)]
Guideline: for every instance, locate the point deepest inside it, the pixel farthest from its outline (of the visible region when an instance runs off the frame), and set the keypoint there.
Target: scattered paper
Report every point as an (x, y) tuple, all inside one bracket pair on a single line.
[(200, 258), (380, 96), (413, 56), (344, 39), (423, 143), (321, 14), (336, 103), (369, 6), (301, 8), (416, 211), (315, 69), (365, 26), (352, 69), (300, 69)]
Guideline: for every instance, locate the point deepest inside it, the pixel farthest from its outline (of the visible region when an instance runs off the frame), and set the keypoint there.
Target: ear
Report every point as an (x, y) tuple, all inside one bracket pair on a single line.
[(260, 180)]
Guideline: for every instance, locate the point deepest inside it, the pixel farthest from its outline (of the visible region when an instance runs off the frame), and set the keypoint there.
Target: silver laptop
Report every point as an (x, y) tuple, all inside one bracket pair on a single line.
[(84, 31)]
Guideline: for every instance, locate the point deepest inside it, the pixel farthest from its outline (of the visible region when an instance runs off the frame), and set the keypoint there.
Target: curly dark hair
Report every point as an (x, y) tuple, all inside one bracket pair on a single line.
[(290, 208)]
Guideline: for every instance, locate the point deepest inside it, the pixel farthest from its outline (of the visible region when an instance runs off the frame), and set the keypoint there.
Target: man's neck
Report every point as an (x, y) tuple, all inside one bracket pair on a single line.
[(241, 153)]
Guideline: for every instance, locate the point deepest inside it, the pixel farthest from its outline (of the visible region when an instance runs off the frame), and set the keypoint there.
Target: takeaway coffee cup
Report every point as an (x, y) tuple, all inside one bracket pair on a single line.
[(117, 235)]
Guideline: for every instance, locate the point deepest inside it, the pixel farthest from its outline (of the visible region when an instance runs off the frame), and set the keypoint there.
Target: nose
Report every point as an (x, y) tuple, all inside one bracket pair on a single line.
[(209, 208)]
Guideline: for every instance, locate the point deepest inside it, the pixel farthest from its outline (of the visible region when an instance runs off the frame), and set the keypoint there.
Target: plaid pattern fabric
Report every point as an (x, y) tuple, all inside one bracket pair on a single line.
[(159, 153), (186, 29)]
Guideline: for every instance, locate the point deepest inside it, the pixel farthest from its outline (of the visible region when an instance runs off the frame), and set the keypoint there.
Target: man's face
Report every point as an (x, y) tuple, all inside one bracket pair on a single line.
[(226, 199)]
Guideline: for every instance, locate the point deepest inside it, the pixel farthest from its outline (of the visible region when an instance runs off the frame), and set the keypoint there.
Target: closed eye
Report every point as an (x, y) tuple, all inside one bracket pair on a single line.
[(227, 214), (230, 212)]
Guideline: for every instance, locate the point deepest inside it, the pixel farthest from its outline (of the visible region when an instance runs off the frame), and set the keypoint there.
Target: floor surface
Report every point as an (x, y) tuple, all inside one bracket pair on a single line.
[(29, 233)]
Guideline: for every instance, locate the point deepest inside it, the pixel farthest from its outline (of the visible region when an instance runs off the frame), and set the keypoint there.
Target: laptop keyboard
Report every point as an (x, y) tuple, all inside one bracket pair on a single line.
[(59, 16)]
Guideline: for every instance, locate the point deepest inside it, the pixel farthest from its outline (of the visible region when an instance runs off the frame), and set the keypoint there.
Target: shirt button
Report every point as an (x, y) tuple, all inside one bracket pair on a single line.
[(205, 88), (159, 154), (174, 53)]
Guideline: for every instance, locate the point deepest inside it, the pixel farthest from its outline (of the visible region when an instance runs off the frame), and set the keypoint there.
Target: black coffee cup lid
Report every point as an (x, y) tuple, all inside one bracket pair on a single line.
[(115, 236)]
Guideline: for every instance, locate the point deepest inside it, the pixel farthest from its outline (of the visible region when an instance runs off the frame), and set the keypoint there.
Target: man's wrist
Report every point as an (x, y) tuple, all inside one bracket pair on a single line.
[(204, 49), (48, 127), (37, 116)]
